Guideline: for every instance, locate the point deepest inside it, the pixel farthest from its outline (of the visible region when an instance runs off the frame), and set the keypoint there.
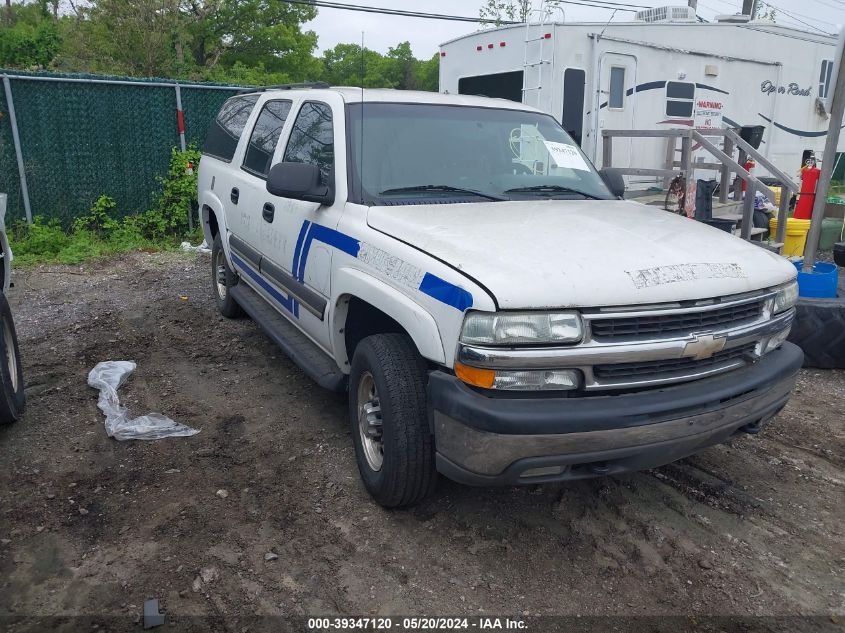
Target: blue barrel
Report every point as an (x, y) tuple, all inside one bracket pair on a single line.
[(821, 283)]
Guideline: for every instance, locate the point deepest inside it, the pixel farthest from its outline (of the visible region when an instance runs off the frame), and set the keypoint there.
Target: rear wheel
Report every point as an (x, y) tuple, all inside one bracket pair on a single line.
[(223, 279), (387, 411), (13, 399)]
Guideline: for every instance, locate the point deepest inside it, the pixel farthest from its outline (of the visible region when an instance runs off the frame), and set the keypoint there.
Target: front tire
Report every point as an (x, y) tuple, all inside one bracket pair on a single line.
[(13, 398), (394, 447), (222, 279)]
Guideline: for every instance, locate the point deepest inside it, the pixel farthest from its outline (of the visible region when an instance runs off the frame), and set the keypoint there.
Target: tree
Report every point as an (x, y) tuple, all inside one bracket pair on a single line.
[(497, 11), (31, 39), (342, 66), (428, 74), (191, 38)]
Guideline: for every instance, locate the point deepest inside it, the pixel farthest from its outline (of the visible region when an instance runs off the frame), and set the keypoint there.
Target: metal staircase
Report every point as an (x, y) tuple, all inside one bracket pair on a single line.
[(725, 164)]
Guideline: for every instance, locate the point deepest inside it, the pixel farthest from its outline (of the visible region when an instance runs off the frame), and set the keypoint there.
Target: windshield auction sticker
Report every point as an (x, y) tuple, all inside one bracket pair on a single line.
[(566, 156)]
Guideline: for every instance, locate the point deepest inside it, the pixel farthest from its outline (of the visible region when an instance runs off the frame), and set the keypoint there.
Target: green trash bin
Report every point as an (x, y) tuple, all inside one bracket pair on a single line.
[(831, 229)]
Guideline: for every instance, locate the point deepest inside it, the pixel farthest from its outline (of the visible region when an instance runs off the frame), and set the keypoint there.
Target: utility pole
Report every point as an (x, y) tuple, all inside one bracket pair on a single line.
[(747, 7), (837, 108), (693, 4)]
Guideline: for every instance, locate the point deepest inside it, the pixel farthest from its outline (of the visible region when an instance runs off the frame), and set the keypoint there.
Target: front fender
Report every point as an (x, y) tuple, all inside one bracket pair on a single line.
[(419, 324)]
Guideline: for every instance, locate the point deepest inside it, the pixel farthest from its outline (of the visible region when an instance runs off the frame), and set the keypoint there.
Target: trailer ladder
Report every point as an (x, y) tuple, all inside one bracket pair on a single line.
[(538, 58)]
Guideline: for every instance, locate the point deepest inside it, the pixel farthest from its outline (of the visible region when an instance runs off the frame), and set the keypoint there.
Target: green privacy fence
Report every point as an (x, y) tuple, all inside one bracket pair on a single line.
[(83, 136)]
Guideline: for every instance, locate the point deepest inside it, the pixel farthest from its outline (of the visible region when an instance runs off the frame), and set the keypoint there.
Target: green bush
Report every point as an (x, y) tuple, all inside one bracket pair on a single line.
[(98, 233), (98, 220), (178, 194)]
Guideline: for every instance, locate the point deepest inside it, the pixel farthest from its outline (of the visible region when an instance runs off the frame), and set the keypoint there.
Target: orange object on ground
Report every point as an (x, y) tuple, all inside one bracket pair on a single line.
[(809, 180)]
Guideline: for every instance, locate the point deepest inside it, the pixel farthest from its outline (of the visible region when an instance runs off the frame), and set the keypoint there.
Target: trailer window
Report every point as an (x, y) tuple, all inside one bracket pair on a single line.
[(499, 86), (616, 98), (680, 97), (824, 78)]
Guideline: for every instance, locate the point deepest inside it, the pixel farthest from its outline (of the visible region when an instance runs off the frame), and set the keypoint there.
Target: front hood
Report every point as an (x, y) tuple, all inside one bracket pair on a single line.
[(583, 253)]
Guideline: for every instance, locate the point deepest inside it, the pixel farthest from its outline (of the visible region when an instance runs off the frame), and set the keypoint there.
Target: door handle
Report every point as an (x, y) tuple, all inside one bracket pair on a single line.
[(268, 212), (234, 195)]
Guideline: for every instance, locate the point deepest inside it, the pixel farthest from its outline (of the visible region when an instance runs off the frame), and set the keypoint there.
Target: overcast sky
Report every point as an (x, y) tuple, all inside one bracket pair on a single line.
[(334, 26)]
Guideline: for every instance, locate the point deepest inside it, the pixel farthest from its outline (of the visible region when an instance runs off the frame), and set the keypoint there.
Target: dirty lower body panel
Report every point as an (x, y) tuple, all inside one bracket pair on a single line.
[(484, 440)]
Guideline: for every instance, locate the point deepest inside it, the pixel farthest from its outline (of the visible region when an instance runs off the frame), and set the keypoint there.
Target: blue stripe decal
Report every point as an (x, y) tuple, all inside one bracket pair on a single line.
[(445, 292), (714, 89), (654, 85), (432, 285), (803, 133), (320, 233), (287, 303), (298, 250)]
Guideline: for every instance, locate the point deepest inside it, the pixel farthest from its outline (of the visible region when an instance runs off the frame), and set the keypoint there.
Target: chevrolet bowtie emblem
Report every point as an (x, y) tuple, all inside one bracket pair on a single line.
[(704, 346)]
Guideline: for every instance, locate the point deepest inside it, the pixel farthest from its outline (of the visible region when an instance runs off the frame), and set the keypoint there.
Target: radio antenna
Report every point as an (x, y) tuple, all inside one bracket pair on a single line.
[(361, 141)]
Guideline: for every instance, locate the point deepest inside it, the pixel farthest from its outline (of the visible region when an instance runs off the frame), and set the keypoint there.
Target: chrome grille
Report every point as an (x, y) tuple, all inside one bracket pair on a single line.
[(654, 368), (659, 324)]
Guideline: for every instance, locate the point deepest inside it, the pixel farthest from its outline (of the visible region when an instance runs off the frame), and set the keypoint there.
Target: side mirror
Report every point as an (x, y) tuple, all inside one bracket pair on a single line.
[(300, 181), (614, 181)]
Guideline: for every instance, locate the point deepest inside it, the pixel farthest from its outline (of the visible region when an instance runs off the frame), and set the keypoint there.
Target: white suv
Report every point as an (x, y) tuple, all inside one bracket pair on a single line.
[(495, 310)]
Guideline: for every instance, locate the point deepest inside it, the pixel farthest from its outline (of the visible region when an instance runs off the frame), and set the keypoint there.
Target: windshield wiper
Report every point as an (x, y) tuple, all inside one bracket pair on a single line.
[(444, 188), (553, 189)]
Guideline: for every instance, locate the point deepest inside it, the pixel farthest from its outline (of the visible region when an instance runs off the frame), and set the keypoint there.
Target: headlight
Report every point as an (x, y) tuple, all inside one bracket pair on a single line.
[(522, 328), (530, 380), (786, 297)]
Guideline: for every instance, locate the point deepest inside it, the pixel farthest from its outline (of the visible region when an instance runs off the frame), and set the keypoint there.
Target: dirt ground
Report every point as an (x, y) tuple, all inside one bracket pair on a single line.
[(91, 526)]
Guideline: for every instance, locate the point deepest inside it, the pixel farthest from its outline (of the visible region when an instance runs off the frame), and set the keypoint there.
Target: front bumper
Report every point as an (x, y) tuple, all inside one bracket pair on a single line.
[(483, 440)]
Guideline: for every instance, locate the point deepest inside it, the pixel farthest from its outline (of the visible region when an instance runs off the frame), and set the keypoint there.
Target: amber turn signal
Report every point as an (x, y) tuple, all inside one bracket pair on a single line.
[(475, 376)]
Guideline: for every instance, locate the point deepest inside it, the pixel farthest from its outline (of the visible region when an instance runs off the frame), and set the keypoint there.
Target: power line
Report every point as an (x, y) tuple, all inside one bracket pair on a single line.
[(787, 13), (597, 4), (808, 17), (836, 7), (383, 10)]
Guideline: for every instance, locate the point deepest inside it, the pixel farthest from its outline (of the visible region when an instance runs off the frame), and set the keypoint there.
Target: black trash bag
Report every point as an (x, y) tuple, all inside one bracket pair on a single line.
[(704, 199)]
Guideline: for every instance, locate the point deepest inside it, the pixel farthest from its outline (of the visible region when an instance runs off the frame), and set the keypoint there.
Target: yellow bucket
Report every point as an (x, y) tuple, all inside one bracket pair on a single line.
[(796, 235), (778, 193)]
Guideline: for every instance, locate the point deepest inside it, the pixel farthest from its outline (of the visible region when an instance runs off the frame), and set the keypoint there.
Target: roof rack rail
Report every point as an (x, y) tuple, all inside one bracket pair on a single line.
[(298, 86)]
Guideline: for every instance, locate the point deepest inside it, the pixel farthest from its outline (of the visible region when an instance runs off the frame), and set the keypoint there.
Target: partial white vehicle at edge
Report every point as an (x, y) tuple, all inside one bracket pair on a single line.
[(495, 310), (12, 396)]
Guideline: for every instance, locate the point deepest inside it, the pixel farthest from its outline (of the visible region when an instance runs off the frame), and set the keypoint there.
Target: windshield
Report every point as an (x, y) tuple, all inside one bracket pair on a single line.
[(418, 153)]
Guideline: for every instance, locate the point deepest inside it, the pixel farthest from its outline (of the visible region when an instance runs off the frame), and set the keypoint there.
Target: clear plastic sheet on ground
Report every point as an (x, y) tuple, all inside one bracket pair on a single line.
[(199, 248), (108, 376)]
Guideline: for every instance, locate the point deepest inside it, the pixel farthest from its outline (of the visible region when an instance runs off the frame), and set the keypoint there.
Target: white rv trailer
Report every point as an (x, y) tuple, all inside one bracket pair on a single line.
[(663, 70)]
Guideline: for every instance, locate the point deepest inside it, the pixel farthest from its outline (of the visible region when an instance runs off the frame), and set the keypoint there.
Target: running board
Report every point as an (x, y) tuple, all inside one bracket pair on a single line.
[(316, 364)]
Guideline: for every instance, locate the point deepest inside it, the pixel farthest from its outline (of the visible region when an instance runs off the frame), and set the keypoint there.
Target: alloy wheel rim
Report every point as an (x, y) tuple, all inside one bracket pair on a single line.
[(220, 274), (11, 358), (370, 422)]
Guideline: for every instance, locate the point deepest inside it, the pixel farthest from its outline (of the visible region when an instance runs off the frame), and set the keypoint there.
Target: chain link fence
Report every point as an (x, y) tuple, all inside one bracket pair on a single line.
[(83, 136)]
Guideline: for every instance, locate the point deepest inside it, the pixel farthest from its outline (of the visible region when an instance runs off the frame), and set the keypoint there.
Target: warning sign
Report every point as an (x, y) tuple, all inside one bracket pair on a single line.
[(708, 114)]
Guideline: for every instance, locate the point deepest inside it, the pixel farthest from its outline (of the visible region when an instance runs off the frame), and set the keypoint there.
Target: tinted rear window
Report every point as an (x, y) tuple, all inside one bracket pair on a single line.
[(227, 127), (265, 135)]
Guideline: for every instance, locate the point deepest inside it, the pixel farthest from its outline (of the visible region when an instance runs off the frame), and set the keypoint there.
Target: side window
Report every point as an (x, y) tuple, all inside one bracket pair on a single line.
[(226, 129), (265, 135), (824, 78), (312, 139), (680, 98), (616, 99)]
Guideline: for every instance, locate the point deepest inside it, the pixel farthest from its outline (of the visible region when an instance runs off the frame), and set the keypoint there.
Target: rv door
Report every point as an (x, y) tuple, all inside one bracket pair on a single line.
[(618, 77)]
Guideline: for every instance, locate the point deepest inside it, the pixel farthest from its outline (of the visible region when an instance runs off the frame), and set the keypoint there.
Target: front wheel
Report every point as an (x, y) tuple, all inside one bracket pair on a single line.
[(12, 399), (222, 279), (387, 411)]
